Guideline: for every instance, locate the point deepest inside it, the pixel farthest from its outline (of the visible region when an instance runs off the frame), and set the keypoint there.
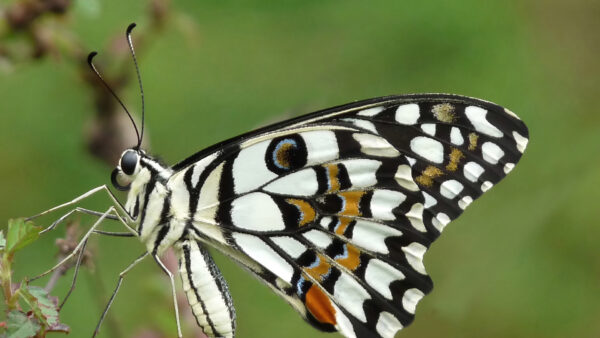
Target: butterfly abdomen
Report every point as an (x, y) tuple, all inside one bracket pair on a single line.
[(206, 290)]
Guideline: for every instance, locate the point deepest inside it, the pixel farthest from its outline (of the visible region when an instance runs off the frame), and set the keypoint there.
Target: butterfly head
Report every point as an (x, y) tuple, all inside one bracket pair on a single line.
[(128, 168)]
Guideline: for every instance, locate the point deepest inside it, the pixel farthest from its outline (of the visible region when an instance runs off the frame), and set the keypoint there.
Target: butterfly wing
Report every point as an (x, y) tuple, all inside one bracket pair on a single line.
[(335, 210)]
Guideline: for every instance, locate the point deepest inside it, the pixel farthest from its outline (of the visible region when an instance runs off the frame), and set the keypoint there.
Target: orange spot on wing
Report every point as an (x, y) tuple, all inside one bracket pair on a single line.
[(428, 175), (307, 212), (473, 138), (344, 222), (334, 181), (284, 153), (320, 306), (318, 271), (352, 261), (352, 203), (455, 157)]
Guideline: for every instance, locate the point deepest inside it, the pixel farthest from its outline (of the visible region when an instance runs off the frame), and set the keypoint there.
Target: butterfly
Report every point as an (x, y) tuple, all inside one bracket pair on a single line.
[(332, 210)]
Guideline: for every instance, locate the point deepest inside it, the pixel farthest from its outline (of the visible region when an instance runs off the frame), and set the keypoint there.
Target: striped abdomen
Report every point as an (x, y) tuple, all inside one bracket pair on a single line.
[(206, 290)]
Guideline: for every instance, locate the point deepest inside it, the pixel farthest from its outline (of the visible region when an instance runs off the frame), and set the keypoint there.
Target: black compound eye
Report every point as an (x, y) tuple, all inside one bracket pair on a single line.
[(129, 162)]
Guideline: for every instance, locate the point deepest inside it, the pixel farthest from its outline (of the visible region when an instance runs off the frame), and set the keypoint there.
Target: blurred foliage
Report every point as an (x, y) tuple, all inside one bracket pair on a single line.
[(522, 262), (29, 310)]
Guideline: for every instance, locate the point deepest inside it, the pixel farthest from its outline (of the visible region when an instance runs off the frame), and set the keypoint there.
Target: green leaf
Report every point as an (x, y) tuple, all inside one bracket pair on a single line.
[(44, 307), (19, 325), (20, 234)]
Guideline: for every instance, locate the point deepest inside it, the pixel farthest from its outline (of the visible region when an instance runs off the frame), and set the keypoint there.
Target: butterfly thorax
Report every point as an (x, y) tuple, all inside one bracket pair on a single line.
[(148, 200)]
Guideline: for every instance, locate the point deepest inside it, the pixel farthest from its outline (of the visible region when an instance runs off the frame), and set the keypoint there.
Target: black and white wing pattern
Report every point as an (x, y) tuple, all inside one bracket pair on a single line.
[(334, 210)]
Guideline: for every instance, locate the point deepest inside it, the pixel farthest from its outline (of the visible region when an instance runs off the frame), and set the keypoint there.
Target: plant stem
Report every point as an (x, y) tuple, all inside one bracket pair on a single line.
[(6, 280)]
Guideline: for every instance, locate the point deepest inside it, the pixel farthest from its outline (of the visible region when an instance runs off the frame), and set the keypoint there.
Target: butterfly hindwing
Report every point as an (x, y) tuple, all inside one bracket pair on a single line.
[(335, 210)]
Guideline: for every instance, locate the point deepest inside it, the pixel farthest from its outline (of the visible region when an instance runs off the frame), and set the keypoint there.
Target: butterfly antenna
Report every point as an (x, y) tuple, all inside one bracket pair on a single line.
[(91, 64), (139, 77)]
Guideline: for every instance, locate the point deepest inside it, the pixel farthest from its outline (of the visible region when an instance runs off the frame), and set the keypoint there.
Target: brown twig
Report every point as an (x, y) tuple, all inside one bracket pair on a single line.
[(107, 133)]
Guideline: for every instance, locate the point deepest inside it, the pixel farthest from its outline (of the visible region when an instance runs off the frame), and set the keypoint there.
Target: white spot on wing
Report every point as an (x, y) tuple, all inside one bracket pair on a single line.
[(321, 146), (428, 128), (521, 141), (464, 202), (428, 148), (371, 111), (414, 255), (450, 188), (249, 168), (371, 235), (265, 255), (351, 296), (411, 298), (491, 152), (256, 211), (325, 221), (291, 246), (388, 325), (477, 116), (318, 238), (404, 178), (200, 166), (440, 221), (429, 200), (368, 125), (375, 145), (383, 202), (408, 113), (362, 172), (472, 171), (456, 136), (208, 199), (300, 183), (380, 274), (415, 217), (486, 186), (508, 167), (344, 326)]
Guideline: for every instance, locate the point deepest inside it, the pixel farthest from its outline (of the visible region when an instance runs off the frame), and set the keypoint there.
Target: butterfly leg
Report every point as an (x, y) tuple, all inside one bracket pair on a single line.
[(116, 204), (79, 246), (114, 294), (77, 266), (164, 268), (68, 214), (113, 216)]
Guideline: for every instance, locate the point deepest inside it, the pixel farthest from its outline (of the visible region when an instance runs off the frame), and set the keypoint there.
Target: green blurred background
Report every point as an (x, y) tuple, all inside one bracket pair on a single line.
[(522, 262)]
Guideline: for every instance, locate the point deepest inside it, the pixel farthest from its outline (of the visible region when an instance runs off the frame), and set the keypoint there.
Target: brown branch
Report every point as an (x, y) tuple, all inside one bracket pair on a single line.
[(21, 15), (108, 132)]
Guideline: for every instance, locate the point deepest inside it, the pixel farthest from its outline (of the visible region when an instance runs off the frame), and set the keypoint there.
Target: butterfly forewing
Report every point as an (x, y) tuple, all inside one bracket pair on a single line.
[(335, 210)]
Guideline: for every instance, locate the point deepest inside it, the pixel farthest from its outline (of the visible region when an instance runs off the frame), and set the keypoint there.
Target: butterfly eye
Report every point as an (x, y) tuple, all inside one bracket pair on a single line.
[(129, 162)]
